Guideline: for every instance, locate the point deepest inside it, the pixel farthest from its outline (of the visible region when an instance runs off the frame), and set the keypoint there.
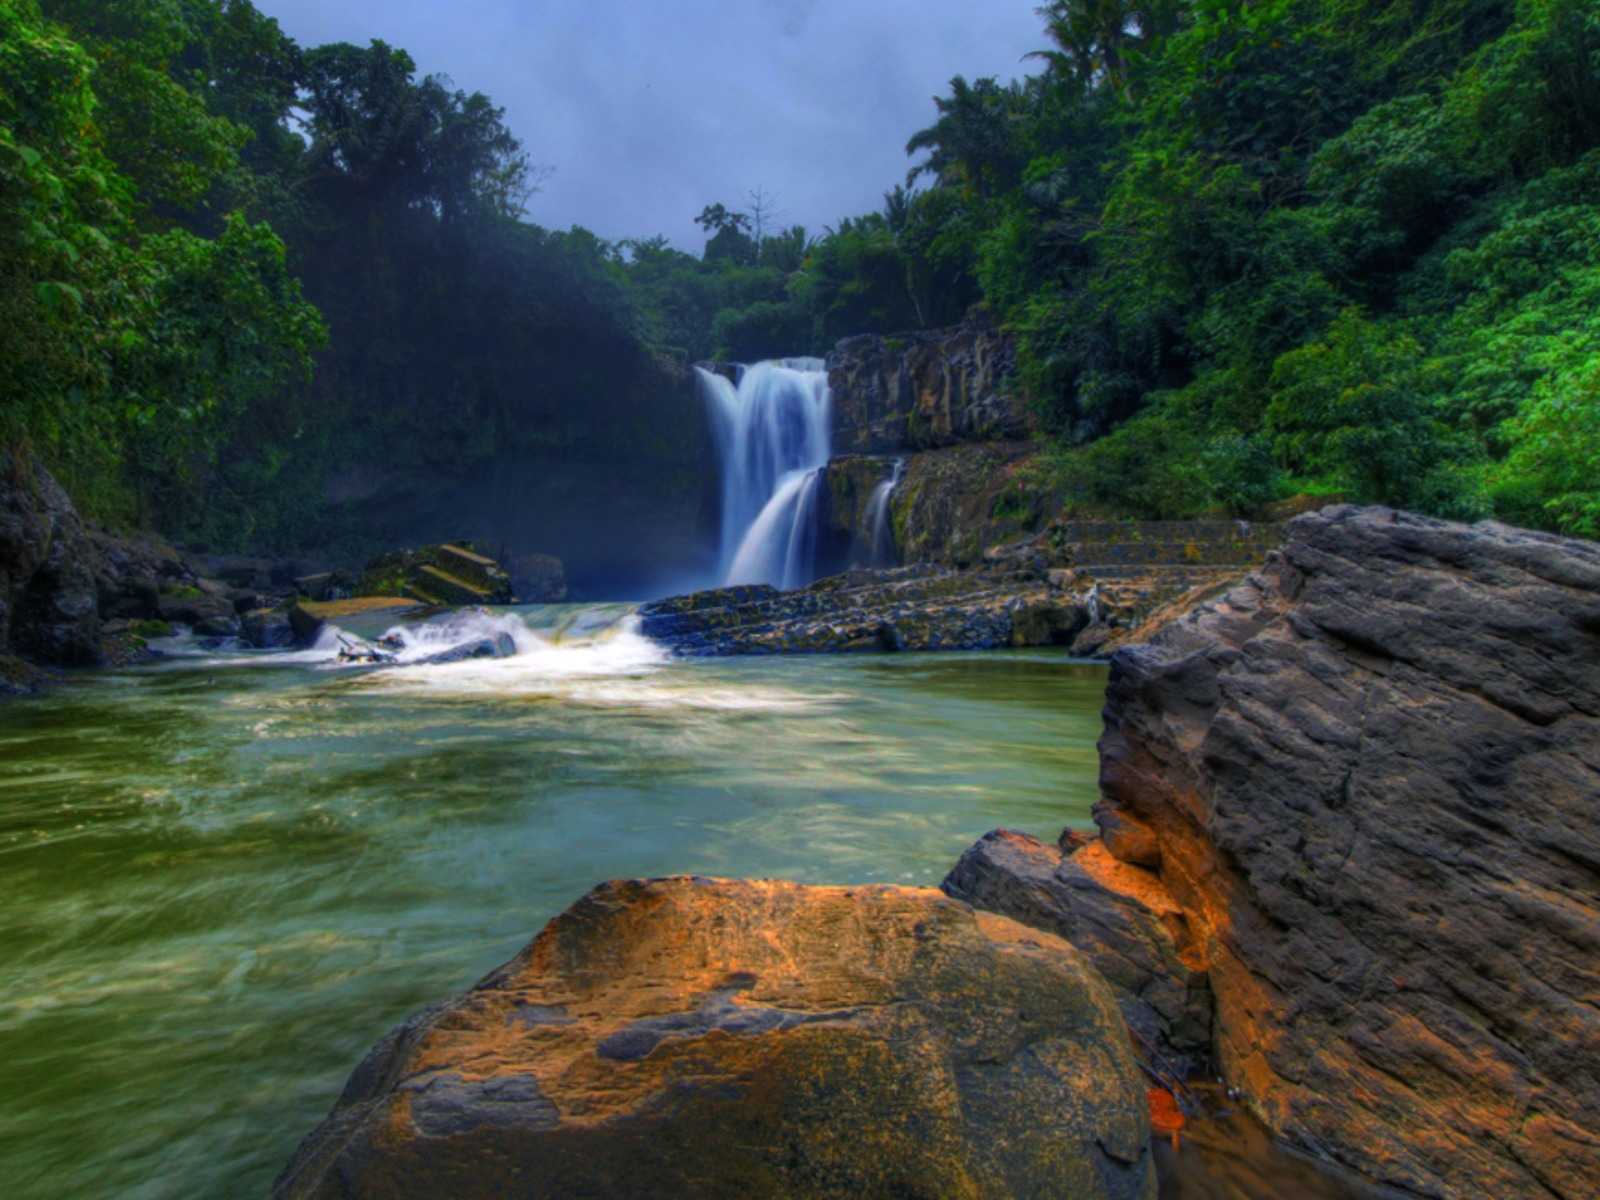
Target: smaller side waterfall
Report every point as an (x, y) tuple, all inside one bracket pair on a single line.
[(883, 551)]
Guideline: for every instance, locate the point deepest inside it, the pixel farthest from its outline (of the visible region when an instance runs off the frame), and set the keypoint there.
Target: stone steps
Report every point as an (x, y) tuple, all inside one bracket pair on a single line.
[(441, 587), (472, 568)]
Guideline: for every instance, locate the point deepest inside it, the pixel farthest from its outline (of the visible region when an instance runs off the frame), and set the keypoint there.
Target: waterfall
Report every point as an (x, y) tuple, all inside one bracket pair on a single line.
[(773, 434), (878, 518)]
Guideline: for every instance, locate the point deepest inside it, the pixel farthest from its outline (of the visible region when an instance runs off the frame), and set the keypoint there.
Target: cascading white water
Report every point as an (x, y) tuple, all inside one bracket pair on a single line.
[(883, 548), (774, 434)]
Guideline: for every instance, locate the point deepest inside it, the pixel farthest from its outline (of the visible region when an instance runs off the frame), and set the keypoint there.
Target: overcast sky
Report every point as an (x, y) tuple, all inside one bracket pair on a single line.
[(650, 109)]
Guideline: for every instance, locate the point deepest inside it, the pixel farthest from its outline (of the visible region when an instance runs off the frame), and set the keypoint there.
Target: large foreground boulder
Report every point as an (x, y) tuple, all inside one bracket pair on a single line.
[(722, 1038), (1370, 777)]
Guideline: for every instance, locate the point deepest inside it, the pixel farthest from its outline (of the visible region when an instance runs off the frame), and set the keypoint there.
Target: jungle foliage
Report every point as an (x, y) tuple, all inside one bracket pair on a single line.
[(1343, 247), (1326, 246), (1248, 249)]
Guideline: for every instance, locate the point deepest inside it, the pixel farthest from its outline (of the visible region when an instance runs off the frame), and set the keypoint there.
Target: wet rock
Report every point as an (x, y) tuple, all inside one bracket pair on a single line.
[(498, 646), (218, 627), (723, 1038), (307, 617), (19, 678), (267, 628), (899, 608), (1051, 621), (1372, 772), (133, 570), (1118, 916), (49, 604), (189, 605), (448, 573)]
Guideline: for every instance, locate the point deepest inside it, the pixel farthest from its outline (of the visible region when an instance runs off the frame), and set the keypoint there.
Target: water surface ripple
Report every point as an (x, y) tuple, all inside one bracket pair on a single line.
[(225, 877)]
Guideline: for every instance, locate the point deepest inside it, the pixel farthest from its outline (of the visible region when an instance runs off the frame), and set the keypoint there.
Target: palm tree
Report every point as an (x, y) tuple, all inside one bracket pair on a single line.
[(1094, 38), (972, 142)]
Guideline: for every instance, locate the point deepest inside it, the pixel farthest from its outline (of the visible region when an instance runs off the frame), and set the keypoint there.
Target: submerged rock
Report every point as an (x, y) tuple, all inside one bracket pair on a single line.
[(1371, 776), (499, 645), (19, 678), (724, 1038)]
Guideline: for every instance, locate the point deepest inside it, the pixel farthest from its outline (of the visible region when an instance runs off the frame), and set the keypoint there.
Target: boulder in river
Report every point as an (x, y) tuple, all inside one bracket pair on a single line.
[(727, 1038), (307, 617), (499, 645), (1371, 774), (447, 573)]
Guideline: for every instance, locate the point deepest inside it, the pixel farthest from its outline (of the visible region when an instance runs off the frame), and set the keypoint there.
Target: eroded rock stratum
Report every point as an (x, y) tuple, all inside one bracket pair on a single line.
[(1370, 778), (725, 1038)]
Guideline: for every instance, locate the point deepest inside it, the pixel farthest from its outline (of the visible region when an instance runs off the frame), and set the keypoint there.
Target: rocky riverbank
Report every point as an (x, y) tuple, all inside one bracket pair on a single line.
[(1346, 861), (76, 595), (1015, 600)]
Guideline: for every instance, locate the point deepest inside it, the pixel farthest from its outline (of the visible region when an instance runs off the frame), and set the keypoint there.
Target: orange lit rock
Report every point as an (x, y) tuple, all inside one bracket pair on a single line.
[(1373, 775), (1120, 916), (1166, 1118), (724, 1038)]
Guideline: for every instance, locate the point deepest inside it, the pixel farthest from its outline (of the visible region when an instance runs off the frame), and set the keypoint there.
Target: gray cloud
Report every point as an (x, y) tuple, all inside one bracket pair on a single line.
[(648, 112)]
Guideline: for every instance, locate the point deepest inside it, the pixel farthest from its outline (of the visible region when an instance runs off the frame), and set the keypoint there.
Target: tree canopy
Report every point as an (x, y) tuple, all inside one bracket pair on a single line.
[(1247, 249)]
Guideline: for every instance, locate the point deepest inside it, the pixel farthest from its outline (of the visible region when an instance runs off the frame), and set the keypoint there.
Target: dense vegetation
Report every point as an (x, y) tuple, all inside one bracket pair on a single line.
[(1247, 249), (233, 265), (1337, 246)]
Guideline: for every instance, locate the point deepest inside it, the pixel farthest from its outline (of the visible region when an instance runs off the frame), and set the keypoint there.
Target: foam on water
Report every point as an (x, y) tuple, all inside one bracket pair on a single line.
[(540, 666)]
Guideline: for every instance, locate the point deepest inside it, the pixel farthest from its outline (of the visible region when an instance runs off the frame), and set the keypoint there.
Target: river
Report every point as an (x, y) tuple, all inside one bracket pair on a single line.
[(226, 875)]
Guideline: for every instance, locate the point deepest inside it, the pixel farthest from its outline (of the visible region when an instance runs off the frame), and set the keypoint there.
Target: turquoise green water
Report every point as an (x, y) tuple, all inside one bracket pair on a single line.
[(225, 878)]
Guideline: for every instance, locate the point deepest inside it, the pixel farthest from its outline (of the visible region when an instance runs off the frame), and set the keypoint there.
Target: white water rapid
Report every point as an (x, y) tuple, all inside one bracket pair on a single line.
[(774, 435)]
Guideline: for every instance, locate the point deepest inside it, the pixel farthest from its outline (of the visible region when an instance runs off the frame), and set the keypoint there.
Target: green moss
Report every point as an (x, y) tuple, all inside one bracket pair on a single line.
[(151, 629)]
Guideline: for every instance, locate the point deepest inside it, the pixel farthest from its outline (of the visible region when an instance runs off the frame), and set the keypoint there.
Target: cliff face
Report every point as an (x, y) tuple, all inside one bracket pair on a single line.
[(1369, 776), (48, 600), (923, 390)]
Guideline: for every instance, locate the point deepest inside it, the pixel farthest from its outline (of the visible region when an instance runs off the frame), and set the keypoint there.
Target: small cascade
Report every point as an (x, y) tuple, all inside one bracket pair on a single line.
[(773, 433), (883, 551)]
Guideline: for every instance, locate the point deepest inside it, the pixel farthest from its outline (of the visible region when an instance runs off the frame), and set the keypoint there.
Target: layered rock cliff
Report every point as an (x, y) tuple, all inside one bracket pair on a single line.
[(919, 391), (1369, 778)]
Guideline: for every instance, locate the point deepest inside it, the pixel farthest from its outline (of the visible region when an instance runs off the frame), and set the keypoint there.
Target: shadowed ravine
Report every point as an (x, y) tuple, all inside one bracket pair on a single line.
[(225, 881)]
